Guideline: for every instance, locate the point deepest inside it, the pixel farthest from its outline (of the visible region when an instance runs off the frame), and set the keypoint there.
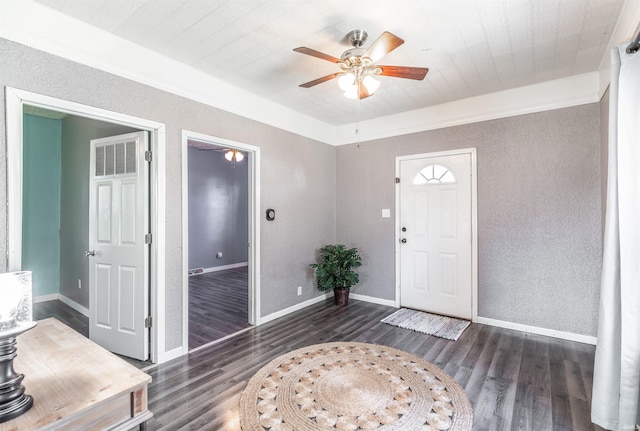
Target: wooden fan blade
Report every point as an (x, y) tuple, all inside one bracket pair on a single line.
[(386, 43), (319, 80), (417, 73), (362, 91), (318, 54)]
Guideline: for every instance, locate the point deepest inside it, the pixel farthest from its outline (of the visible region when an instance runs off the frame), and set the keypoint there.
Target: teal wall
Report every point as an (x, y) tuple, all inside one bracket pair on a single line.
[(41, 203)]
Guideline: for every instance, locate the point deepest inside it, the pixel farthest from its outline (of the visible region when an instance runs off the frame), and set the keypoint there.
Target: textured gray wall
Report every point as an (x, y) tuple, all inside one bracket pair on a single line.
[(218, 209), (539, 213), (604, 153), (298, 174), (301, 188), (74, 202)]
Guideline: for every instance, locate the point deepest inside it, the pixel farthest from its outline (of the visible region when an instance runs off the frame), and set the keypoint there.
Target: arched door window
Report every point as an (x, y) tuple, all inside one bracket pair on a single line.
[(434, 174)]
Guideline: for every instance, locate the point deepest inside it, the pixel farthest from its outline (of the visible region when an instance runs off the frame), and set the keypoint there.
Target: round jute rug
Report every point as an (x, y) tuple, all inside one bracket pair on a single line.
[(353, 386)]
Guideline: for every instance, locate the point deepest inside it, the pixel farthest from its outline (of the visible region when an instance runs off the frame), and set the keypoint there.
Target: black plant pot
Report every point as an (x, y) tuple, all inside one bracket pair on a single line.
[(341, 296)]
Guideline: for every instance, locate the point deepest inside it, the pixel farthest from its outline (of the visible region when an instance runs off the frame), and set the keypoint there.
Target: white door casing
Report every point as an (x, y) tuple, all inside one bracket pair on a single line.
[(119, 257), (253, 159), (15, 100), (436, 219)]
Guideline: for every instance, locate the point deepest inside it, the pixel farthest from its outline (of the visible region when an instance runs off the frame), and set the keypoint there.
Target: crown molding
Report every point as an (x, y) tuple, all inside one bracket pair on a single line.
[(545, 96), (40, 27)]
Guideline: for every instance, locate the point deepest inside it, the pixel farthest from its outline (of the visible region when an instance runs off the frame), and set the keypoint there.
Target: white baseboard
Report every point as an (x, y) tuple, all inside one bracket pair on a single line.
[(60, 297), (45, 298), (73, 304), (293, 308), (219, 268), (373, 299), (570, 336)]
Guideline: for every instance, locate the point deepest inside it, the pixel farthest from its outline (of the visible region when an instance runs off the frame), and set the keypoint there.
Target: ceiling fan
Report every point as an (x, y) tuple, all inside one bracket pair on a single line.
[(231, 154), (358, 65)]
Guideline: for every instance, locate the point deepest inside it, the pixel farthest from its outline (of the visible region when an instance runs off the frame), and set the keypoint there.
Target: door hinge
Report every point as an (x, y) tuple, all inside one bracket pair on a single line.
[(148, 238), (147, 322), (148, 156), (397, 180)]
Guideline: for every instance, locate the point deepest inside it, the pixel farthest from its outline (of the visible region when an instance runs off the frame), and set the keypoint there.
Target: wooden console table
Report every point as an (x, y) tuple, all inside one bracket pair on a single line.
[(76, 384)]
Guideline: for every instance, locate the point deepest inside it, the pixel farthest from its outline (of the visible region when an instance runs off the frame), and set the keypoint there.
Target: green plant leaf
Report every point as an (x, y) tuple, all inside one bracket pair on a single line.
[(335, 267)]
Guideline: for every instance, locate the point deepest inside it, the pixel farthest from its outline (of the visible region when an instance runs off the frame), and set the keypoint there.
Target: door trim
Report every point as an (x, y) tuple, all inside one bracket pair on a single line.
[(254, 225), (474, 221), (15, 99)]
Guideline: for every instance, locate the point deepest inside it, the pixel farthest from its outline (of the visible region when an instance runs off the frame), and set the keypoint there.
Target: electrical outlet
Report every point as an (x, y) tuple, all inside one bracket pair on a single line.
[(299, 290)]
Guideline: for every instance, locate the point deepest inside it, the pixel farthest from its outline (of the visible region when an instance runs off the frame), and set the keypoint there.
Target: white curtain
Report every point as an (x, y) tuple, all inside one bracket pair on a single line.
[(616, 376)]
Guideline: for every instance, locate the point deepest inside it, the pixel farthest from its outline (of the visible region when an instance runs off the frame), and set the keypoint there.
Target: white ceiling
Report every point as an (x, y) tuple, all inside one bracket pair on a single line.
[(472, 48)]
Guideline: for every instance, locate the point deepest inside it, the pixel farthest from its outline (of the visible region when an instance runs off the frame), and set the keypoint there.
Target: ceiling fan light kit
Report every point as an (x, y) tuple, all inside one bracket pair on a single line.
[(357, 78), (234, 155)]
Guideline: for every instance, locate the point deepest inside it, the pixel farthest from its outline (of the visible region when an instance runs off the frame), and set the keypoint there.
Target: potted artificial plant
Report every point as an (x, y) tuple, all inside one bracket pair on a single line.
[(335, 270)]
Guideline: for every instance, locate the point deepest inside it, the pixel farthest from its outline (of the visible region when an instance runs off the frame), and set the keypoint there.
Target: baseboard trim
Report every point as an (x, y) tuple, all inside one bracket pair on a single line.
[(373, 299), (570, 336), (73, 304), (45, 298), (294, 308), (218, 268)]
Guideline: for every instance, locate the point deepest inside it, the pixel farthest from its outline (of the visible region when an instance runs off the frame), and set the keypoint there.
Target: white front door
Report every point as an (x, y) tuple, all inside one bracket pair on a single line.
[(118, 256), (436, 237)]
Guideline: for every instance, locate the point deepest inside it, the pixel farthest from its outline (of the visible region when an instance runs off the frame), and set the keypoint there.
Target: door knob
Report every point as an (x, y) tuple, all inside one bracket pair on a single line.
[(90, 253), (403, 240)]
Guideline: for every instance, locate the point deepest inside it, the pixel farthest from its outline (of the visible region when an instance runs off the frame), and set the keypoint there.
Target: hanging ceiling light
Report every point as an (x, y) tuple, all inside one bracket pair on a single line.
[(349, 82), (234, 156)]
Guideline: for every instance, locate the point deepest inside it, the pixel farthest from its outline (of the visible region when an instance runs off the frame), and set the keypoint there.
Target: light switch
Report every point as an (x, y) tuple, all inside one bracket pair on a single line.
[(386, 213)]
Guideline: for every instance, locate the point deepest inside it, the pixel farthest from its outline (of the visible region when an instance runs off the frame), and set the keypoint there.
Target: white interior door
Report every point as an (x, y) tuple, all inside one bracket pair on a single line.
[(436, 237), (119, 257)]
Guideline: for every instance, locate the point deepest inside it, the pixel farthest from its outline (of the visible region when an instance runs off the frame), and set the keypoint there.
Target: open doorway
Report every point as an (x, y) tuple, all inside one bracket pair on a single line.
[(220, 251), (71, 203), (218, 242)]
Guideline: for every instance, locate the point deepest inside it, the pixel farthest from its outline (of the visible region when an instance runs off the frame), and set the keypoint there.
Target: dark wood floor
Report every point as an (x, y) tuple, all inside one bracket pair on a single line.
[(64, 313), (515, 381), (218, 305)]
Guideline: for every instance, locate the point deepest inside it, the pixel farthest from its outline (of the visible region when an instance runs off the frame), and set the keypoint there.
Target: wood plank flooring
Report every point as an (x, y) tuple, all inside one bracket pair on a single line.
[(515, 380), (76, 321), (62, 312), (218, 305)]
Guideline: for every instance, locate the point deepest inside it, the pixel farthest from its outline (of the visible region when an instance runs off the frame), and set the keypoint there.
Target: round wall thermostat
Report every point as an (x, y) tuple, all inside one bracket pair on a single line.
[(271, 214)]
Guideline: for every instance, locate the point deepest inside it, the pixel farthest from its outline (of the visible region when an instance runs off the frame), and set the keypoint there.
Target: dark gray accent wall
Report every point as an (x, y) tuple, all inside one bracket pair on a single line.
[(77, 133), (218, 209), (297, 173), (539, 213)]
